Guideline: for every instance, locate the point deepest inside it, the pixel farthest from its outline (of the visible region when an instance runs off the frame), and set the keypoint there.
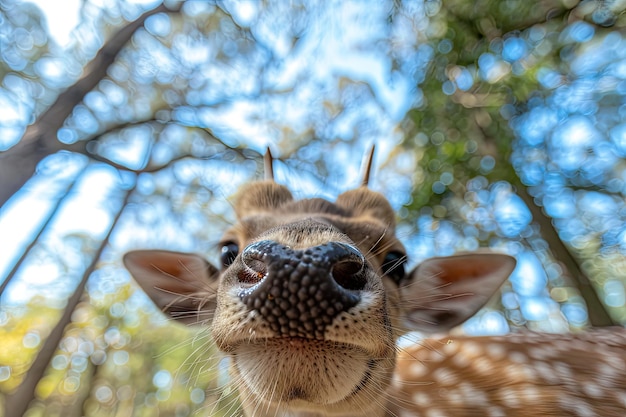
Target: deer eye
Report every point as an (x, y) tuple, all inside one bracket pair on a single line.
[(229, 252), (393, 266)]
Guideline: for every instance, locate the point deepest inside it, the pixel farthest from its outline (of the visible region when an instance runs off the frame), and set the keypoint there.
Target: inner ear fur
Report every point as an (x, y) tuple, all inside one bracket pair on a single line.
[(260, 197), (443, 292), (364, 202), (182, 285)]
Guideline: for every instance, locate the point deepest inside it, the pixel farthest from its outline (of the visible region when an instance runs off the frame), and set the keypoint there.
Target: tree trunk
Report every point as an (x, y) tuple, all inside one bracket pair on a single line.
[(598, 315), (16, 403)]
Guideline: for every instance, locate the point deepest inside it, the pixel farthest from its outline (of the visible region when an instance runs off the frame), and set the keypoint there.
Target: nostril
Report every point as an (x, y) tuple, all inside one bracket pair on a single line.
[(254, 271), (347, 269), (349, 274)]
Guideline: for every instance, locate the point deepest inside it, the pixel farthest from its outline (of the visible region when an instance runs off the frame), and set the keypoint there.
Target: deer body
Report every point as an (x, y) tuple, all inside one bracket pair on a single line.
[(311, 298), (522, 374)]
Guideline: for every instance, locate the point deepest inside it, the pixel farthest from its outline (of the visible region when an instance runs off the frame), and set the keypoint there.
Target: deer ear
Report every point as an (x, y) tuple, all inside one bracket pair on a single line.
[(260, 196), (365, 202), (444, 292), (184, 286)]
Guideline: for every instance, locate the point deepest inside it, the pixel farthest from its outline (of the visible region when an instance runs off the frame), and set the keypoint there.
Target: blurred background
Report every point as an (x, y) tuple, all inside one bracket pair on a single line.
[(129, 124)]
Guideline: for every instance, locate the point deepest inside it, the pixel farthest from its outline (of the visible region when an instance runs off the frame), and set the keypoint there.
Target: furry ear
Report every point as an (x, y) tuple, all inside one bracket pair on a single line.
[(367, 203), (182, 285), (444, 292), (260, 197)]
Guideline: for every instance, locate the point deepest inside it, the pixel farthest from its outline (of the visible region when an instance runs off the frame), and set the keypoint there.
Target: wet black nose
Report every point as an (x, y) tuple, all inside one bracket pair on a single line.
[(300, 292)]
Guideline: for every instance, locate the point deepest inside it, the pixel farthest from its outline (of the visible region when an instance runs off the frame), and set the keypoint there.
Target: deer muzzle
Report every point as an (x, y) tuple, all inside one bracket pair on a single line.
[(299, 292)]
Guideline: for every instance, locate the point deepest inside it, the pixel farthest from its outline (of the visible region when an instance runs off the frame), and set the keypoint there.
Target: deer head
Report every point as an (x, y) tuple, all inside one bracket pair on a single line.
[(312, 295)]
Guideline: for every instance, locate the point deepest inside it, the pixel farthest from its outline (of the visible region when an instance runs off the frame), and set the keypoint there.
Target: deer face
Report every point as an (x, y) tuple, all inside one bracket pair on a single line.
[(311, 296), (306, 294)]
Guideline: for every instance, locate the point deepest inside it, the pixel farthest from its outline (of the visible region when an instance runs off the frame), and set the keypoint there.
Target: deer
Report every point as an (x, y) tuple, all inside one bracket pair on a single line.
[(311, 297)]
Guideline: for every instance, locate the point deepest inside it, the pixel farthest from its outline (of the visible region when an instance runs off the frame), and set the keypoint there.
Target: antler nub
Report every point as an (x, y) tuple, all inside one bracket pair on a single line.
[(268, 165), (367, 166)]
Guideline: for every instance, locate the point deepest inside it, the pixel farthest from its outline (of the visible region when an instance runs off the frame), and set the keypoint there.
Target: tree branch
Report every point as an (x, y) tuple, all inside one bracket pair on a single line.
[(19, 163)]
